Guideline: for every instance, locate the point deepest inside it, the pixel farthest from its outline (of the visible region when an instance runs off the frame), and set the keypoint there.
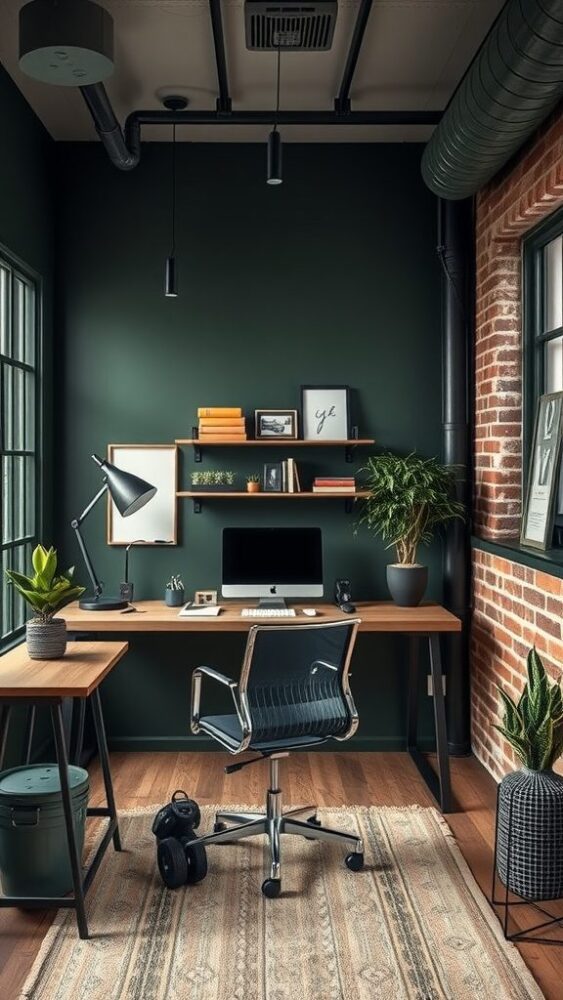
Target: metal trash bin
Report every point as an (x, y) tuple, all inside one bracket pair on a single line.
[(34, 857)]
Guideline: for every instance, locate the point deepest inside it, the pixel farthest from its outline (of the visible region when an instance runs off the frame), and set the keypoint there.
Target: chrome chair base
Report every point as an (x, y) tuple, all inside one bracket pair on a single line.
[(273, 823)]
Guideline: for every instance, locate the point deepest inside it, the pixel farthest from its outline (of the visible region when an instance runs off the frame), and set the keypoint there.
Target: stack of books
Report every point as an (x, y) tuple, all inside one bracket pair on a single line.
[(334, 484), (221, 423), (290, 477)]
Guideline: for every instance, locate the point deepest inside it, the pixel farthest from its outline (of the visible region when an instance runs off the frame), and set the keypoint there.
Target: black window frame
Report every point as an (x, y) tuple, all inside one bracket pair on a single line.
[(20, 270), (534, 339)]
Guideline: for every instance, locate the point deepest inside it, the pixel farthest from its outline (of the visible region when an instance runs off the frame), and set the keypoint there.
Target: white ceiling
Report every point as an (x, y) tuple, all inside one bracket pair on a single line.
[(413, 55)]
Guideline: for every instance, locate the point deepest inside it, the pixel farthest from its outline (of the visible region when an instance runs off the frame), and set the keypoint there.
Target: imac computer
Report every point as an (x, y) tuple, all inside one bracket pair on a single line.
[(272, 563)]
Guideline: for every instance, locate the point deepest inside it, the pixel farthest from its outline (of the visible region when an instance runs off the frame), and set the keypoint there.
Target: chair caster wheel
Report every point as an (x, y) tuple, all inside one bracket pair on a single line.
[(172, 863), (355, 861), (219, 827), (271, 887), (313, 821)]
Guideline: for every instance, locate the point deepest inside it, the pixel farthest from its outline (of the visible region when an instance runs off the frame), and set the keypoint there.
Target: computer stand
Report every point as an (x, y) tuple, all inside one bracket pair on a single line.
[(271, 603)]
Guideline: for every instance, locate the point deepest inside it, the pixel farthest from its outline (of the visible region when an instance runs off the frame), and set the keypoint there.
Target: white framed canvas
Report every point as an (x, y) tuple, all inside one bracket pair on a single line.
[(325, 412), (156, 522)]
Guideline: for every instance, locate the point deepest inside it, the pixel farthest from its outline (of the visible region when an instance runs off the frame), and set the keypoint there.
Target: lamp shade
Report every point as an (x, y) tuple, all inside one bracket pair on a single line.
[(128, 492), (274, 175)]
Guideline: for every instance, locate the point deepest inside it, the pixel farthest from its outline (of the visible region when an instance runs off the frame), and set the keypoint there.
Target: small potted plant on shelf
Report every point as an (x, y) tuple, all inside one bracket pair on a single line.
[(46, 593), (213, 481), (253, 484), (174, 594), (530, 800), (409, 497)]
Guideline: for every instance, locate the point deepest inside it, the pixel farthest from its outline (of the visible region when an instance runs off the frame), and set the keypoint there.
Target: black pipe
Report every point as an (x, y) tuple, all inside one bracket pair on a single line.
[(454, 251), (224, 100), (123, 151), (285, 118), (342, 102)]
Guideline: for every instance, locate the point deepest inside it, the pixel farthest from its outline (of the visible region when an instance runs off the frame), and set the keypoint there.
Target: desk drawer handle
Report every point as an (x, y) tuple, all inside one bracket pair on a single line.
[(23, 813)]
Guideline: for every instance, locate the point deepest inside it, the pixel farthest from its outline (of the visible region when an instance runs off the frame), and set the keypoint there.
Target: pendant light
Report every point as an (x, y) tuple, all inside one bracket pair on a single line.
[(274, 175), (171, 274)]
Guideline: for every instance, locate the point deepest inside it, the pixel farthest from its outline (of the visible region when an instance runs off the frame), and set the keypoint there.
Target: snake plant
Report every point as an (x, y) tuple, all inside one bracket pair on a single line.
[(534, 725), (45, 592)]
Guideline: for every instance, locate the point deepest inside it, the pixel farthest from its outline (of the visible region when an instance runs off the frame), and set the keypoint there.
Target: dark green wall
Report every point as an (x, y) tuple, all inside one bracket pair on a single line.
[(27, 216), (331, 277)]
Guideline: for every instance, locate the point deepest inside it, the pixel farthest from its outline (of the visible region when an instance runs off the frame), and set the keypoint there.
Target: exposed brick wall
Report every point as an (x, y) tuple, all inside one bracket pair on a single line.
[(515, 607)]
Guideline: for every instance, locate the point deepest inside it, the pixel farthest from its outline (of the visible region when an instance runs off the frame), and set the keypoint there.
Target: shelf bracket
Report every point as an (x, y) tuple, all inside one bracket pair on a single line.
[(350, 448), (348, 505), (197, 447), (197, 506)]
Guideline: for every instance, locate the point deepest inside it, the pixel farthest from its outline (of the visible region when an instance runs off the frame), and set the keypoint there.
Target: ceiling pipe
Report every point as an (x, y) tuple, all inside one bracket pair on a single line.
[(124, 151), (342, 102), (514, 82), (224, 100)]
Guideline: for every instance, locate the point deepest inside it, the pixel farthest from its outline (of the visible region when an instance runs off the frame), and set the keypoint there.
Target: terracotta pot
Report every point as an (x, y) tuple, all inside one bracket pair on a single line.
[(253, 487)]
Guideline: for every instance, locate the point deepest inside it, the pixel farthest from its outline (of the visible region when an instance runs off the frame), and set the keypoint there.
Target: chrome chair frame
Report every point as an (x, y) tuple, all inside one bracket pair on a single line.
[(274, 821)]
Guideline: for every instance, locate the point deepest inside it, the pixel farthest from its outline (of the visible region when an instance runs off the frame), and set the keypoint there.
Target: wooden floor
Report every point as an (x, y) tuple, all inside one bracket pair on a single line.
[(333, 779)]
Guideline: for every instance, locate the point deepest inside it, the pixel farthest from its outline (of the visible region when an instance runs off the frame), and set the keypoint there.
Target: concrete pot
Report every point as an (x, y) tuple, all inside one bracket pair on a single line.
[(407, 584), (46, 641), (174, 598)]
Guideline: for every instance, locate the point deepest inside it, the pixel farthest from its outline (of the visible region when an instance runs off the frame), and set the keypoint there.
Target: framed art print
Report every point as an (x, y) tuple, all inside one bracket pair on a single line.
[(156, 521), (281, 424), (325, 412), (543, 480)]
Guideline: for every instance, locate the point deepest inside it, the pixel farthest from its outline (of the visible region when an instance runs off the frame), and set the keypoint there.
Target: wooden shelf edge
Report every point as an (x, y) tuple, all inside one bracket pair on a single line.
[(275, 442), (266, 494)]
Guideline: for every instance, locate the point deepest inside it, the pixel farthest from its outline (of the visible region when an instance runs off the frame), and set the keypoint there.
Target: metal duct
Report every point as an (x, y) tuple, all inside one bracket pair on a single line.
[(124, 151), (513, 83)]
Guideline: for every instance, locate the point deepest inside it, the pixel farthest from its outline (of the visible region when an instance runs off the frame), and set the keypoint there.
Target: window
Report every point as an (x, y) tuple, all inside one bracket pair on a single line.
[(543, 311), (19, 432)]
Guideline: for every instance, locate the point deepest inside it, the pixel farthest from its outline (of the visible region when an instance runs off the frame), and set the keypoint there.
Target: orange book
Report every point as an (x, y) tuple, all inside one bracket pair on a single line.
[(220, 438), (221, 431), (221, 422), (219, 411)]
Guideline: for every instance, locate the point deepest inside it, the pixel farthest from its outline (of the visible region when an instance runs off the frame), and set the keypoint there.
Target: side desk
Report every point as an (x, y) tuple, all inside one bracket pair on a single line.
[(426, 623), (47, 682)]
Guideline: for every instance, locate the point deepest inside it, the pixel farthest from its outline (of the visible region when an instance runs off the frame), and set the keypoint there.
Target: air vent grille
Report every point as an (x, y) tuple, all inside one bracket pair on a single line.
[(286, 25)]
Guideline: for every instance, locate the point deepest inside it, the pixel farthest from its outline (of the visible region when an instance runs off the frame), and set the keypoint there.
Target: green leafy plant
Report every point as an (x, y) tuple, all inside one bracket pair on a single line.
[(45, 592), (534, 726), (409, 497)]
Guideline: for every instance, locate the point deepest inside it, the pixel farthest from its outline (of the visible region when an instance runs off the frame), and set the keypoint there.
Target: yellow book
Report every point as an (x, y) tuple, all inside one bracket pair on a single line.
[(221, 422), (219, 411), (220, 438), (221, 431)]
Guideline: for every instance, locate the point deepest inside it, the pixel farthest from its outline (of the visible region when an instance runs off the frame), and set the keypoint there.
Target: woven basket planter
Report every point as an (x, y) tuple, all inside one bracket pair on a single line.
[(530, 825), (46, 641)]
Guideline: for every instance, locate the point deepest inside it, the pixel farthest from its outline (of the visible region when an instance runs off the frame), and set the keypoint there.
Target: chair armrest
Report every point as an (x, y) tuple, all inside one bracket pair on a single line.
[(214, 675)]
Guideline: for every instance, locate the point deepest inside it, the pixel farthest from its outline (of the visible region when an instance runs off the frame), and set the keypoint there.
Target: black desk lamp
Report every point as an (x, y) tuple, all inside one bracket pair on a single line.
[(129, 493)]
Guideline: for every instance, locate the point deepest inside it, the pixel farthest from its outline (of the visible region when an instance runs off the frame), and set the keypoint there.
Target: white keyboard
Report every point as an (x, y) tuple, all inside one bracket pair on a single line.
[(268, 612)]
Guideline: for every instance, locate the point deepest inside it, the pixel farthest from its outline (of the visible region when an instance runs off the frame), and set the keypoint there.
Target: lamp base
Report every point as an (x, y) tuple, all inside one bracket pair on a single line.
[(90, 603)]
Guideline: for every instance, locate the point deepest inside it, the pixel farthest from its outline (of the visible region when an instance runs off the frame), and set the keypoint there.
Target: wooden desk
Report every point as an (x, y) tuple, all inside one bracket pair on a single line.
[(47, 682), (425, 622)]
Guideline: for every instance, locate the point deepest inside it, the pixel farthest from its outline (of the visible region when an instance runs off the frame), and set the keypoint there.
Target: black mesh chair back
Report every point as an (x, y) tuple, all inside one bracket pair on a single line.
[(295, 682)]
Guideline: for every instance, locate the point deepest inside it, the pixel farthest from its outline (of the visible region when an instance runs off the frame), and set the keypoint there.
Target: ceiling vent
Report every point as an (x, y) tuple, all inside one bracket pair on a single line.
[(290, 24)]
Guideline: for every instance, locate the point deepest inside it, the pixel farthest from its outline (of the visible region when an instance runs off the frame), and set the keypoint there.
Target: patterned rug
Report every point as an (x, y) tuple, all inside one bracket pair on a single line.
[(412, 926)]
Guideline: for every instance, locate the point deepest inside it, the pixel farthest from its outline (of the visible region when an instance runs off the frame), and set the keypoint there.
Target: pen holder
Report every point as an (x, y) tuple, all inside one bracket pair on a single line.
[(174, 598)]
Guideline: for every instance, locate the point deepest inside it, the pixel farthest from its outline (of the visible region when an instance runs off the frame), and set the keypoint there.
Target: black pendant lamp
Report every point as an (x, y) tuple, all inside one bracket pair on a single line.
[(274, 175), (171, 274)]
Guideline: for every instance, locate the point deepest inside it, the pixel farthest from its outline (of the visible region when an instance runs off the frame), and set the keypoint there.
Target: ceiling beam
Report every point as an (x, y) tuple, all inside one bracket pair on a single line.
[(224, 100), (342, 102)]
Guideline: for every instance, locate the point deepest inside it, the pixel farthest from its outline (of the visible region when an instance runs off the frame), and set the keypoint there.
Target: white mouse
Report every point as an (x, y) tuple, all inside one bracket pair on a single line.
[(310, 612)]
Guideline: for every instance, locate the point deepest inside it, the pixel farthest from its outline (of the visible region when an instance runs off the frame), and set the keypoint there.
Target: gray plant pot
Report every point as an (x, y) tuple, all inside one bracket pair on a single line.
[(174, 598), (46, 641), (530, 824), (407, 584)]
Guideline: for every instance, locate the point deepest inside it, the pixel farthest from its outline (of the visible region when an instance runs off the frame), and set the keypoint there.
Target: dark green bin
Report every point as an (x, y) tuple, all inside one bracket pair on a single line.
[(34, 859)]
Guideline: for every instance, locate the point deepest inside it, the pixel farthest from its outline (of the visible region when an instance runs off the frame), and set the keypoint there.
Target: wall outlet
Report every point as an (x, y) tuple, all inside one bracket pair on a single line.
[(430, 686)]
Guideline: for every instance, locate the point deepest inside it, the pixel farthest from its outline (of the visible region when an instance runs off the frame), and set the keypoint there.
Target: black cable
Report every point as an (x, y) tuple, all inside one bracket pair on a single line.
[(277, 93), (173, 251)]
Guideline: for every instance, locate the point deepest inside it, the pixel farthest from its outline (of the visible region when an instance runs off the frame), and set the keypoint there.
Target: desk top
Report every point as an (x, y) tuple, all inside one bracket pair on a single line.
[(76, 675), (154, 616)]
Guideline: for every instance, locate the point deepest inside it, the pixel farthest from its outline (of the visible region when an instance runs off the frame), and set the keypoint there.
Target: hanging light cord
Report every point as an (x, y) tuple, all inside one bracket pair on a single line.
[(173, 251), (277, 93)]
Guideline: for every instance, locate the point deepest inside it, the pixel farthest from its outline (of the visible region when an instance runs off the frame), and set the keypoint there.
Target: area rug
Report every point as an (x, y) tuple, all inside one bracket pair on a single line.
[(412, 926)]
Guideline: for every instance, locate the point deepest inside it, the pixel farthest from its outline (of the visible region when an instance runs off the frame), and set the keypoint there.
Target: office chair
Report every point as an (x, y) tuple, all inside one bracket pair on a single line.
[(293, 693)]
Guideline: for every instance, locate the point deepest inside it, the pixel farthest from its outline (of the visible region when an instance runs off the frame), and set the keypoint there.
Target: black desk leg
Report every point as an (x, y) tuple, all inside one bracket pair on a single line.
[(5, 713), (104, 761), (79, 734), (28, 738), (439, 786), (62, 760)]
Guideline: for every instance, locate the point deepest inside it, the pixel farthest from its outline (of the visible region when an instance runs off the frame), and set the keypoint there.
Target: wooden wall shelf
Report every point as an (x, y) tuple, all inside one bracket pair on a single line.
[(348, 444), (198, 496)]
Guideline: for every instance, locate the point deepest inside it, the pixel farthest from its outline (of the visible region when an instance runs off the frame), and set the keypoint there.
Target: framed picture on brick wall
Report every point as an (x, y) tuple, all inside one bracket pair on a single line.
[(543, 479)]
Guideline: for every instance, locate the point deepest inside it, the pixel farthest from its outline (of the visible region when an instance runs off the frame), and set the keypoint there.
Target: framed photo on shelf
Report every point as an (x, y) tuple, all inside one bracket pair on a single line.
[(325, 412), (544, 473), (273, 477), (158, 464), (275, 424)]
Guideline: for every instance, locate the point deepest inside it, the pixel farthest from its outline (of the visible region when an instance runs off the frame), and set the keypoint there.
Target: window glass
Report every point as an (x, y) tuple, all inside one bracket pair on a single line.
[(553, 281)]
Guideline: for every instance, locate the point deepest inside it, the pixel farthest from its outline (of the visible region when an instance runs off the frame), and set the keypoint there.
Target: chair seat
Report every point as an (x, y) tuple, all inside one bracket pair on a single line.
[(229, 727)]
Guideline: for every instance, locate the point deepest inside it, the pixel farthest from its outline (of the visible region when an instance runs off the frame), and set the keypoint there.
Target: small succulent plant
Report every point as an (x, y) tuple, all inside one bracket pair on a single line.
[(534, 725), (254, 478)]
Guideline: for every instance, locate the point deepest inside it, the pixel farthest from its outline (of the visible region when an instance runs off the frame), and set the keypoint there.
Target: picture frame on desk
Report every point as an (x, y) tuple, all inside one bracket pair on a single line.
[(325, 412)]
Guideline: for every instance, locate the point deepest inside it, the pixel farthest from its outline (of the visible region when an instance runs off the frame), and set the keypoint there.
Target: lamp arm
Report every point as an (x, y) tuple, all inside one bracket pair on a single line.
[(75, 524)]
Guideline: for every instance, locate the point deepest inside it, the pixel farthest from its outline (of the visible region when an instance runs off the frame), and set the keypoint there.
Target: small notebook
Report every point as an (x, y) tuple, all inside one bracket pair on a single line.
[(199, 611)]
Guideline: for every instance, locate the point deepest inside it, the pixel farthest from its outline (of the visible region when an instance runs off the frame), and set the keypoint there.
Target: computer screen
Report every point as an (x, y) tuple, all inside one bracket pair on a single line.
[(263, 562)]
